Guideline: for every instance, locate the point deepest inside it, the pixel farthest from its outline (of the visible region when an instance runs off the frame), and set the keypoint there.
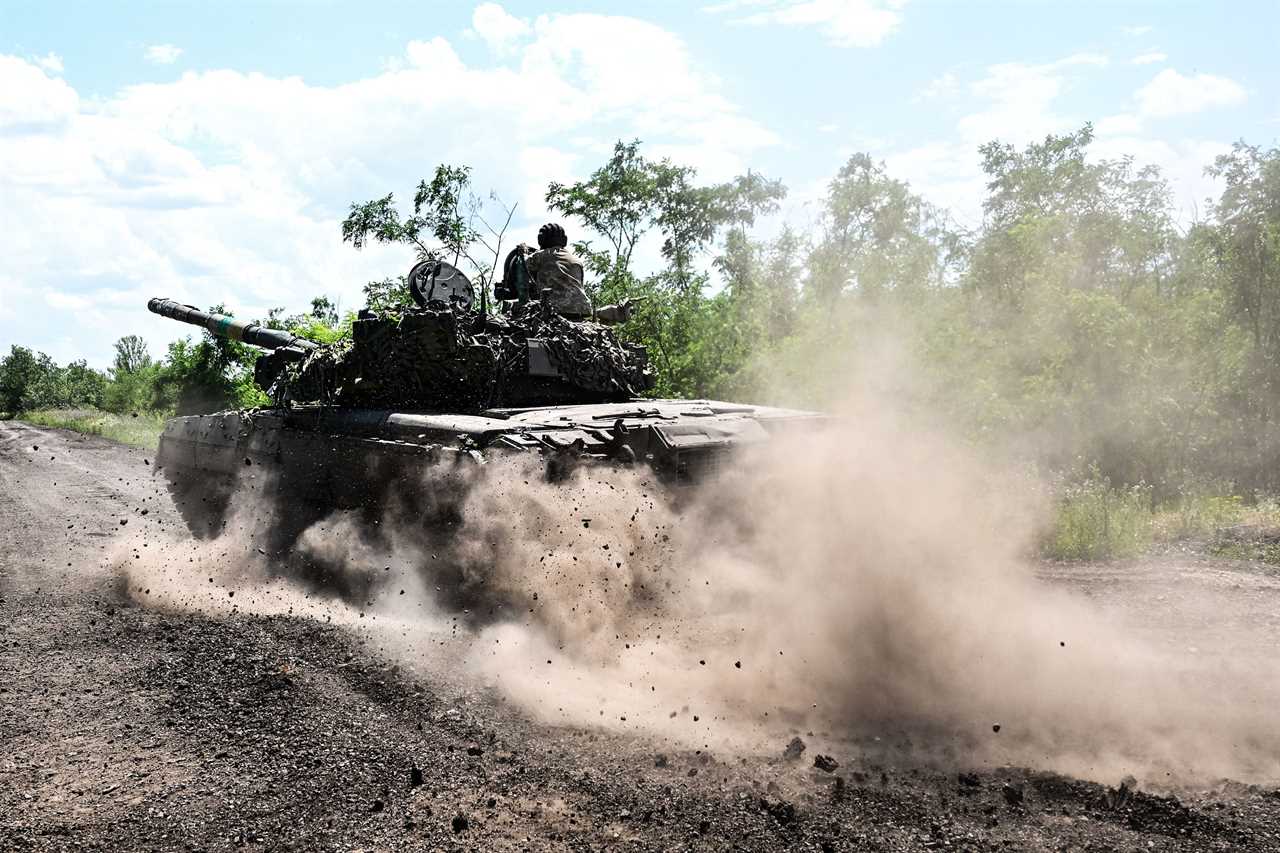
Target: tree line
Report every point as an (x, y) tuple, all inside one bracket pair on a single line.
[(1079, 323)]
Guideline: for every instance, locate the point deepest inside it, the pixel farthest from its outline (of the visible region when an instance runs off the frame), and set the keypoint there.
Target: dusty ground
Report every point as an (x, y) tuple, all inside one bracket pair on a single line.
[(128, 728)]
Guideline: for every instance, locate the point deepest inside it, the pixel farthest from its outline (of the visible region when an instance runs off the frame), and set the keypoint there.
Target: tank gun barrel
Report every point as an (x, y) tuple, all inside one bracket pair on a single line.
[(229, 327)]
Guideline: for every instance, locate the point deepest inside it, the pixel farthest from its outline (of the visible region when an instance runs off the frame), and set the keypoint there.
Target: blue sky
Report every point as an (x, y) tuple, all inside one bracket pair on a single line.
[(207, 151)]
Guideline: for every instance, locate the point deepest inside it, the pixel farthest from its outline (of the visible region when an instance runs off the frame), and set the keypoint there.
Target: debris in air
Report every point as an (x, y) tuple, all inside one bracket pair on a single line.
[(794, 749)]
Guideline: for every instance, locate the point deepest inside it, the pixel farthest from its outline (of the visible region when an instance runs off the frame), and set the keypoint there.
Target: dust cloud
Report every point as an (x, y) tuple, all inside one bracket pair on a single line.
[(867, 581)]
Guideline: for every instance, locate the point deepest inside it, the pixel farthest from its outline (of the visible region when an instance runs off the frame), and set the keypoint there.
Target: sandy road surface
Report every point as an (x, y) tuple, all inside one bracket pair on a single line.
[(128, 728)]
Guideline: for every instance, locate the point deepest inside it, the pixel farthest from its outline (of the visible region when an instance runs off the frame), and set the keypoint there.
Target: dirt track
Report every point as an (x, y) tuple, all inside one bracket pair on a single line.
[(127, 728)]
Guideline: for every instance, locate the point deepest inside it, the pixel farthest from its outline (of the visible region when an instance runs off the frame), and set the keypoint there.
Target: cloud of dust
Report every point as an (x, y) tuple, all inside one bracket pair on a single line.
[(867, 580)]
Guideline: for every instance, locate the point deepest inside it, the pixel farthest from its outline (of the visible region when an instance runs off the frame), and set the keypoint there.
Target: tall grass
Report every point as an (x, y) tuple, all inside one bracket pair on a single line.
[(1195, 515), (1095, 521), (142, 430)]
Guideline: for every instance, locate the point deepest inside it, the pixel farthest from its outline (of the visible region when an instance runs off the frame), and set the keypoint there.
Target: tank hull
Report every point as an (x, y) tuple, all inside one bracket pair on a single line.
[(311, 460)]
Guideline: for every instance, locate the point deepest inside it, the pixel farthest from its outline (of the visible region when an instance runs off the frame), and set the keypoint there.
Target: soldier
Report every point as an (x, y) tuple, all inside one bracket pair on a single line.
[(559, 270)]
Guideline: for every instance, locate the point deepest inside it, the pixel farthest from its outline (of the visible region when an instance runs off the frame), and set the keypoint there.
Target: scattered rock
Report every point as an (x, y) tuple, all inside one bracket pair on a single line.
[(415, 776), (1118, 798), (660, 760), (794, 749), (377, 806), (969, 780), (781, 811), (460, 823), (475, 749), (826, 763), (1012, 794)]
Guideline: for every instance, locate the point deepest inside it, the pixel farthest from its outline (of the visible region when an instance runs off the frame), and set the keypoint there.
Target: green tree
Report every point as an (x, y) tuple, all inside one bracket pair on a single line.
[(18, 376), (1248, 239), (85, 386), (388, 294), (131, 355), (449, 223), (877, 237), (691, 339), (324, 310), (132, 381), (618, 202), (1055, 218)]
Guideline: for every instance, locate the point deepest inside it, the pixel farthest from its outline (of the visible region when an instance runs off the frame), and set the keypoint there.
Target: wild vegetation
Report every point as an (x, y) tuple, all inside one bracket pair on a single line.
[(1082, 327)]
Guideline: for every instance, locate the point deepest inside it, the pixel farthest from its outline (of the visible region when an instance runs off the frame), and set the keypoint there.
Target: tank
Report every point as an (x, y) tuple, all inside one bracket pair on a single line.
[(442, 386)]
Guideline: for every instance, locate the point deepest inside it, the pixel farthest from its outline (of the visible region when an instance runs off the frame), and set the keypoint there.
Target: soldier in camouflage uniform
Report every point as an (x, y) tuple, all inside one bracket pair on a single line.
[(556, 268)]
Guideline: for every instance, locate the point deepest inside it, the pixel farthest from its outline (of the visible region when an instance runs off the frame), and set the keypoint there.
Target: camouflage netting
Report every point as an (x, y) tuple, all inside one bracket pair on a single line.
[(443, 358)]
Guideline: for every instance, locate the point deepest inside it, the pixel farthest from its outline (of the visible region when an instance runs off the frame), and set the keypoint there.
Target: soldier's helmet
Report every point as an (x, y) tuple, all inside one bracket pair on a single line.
[(552, 236)]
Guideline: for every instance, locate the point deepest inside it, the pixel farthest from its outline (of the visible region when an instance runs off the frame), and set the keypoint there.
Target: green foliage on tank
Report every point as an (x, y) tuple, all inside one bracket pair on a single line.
[(441, 356)]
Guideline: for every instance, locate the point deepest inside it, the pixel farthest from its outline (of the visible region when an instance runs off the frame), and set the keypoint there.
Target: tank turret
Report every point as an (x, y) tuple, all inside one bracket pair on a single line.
[(440, 356)]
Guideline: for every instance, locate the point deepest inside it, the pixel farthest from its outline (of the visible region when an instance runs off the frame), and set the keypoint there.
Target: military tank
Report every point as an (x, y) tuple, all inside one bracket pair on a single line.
[(440, 385)]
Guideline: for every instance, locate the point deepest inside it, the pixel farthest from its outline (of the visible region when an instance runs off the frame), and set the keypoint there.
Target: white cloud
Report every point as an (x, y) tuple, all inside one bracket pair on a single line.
[(223, 186), (944, 86), (50, 62), (1020, 100), (1140, 30), (1117, 125), (1149, 58), (162, 54), (1171, 94), (499, 29), (1018, 103), (845, 23), (946, 174), (31, 99)]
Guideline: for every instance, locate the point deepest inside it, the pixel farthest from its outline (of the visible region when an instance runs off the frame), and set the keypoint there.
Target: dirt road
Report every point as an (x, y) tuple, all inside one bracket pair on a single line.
[(126, 727)]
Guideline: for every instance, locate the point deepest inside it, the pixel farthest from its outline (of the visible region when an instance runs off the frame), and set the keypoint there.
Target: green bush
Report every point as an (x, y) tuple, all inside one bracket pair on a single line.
[(1096, 521)]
